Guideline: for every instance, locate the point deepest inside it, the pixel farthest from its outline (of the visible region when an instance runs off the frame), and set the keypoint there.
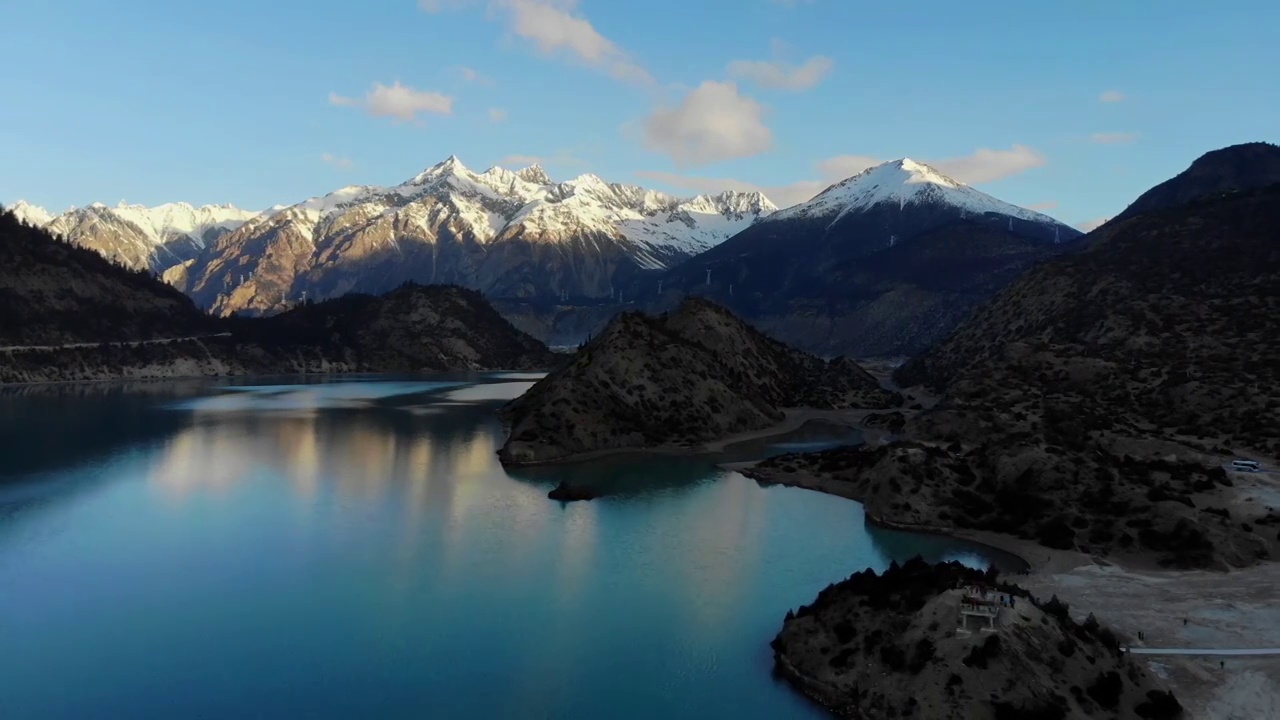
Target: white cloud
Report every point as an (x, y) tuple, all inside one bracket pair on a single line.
[(986, 165), (793, 3), (1111, 96), (1091, 225), (339, 162), (336, 99), (553, 28), (399, 101), (781, 75), (1113, 138), (714, 122), (472, 75), (497, 114)]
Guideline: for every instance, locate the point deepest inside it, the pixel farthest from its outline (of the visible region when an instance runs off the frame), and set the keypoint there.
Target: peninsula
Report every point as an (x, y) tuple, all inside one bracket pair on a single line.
[(680, 379)]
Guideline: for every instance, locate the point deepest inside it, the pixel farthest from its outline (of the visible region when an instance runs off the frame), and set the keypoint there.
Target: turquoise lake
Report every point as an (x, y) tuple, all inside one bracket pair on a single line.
[(353, 549)]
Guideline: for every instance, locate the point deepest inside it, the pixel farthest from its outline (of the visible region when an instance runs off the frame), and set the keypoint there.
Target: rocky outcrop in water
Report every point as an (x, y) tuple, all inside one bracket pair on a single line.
[(566, 492), (683, 378), (891, 645)]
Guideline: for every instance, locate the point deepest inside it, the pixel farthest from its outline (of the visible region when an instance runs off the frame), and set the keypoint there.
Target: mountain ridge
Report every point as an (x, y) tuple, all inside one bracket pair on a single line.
[(805, 274), (692, 375), (1245, 166), (71, 314), (507, 233), (1093, 404)]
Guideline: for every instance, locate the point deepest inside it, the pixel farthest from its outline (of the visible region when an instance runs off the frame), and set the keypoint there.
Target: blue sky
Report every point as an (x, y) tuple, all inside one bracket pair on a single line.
[(1072, 108)]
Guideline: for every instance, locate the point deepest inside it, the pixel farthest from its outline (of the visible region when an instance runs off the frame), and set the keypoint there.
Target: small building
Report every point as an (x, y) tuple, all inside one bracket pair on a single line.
[(979, 609)]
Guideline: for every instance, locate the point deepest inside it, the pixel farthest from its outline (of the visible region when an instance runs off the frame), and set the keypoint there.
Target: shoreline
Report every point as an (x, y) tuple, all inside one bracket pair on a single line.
[(794, 419), (990, 541), (234, 375), (1209, 609)]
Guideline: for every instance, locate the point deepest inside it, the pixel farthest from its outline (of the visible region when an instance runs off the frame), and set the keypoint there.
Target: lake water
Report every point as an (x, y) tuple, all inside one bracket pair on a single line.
[(354, 549)]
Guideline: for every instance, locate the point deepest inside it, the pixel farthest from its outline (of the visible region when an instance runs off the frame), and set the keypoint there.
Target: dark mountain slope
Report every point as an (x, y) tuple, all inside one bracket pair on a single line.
[(884, 263), (67, 313), (1239, 167), (1092, 404), (1169, 320), (691, 376), (412, 328), (53, 292)]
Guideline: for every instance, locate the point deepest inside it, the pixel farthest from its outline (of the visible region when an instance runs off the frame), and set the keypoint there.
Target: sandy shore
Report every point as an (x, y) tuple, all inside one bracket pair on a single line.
[(1173, 609)]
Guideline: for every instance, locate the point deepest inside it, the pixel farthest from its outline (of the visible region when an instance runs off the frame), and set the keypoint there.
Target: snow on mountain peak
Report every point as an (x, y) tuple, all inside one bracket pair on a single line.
[(449, 166), (495, 206), (918, 172), (903, 182), (535, 174), (31, 214), (733, 202)]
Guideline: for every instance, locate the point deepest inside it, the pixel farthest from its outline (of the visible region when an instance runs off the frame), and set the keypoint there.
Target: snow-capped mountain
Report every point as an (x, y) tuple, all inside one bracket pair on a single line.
[(137, 236), (885, 262), (31, 214), (901, 183), (510, 234)]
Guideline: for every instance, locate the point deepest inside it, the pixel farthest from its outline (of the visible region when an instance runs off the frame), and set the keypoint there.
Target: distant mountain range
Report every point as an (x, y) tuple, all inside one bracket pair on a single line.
[(139, 237), (509, 234), (72, 314), (887, 262), (884, 263)]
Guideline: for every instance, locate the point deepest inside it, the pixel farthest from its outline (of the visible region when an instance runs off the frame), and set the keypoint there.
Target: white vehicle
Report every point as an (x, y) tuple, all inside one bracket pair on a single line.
[(1246, 466)]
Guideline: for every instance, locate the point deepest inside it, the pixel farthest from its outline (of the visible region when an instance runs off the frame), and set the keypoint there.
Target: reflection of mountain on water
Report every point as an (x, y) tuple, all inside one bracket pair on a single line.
[(355, 451), (55, 427), (355, 438), (637, 474)]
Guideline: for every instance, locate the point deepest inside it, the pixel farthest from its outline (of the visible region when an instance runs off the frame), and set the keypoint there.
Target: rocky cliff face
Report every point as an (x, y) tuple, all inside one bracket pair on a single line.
[(690, 376), (890, 646)]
